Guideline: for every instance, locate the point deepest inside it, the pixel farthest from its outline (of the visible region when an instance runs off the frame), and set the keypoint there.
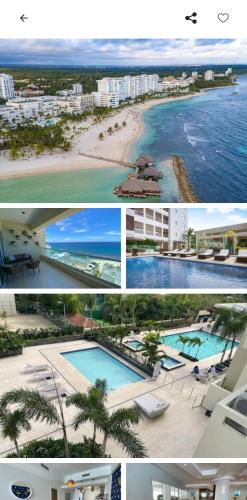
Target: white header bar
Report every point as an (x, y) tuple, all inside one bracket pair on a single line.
[(122, 19)]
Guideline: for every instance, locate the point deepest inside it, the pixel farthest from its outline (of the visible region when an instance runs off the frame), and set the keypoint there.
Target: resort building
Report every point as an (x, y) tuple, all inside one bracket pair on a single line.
[(128, 87), (61, 481), (26, 261), (231, 237), (165, 226), (209, 75), (209, 481), (106, 100), (7, 90)]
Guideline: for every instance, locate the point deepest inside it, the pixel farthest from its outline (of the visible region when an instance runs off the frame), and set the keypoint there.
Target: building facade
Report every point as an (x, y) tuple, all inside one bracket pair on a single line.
[(165, 226), (7, 90)]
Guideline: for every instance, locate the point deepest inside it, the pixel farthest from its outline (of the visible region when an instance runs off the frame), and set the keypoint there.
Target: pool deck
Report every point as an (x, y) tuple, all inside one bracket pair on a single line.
[(174, 434), (228, 262)]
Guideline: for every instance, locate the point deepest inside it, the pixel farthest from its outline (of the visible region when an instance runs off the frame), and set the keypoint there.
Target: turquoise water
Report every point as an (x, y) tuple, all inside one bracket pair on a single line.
[(135, 344), (169, 362), (106, 249), (208, 131), (212, 344), (96, 363)]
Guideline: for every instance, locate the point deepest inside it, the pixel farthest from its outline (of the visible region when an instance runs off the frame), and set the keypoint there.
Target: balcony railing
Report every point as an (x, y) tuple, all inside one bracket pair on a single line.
[(106, 269)]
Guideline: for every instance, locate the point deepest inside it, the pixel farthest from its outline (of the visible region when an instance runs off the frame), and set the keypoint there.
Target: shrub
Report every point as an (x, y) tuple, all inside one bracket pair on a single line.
[(10, 342), (54, 448)]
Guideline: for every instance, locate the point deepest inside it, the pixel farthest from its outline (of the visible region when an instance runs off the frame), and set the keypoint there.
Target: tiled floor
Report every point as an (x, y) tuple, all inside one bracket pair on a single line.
[(48, 277)]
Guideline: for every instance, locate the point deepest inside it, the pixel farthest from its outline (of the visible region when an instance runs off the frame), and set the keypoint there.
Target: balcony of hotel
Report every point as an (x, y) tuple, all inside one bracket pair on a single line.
[(27, 262)]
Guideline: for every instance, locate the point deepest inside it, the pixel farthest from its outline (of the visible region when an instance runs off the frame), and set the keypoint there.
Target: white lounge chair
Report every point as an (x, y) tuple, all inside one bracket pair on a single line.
[(54, 394), (188, 253), (48, 375), (35, 368), (174, 252), (242, 256), (205, 255), (222, 255), (151, 405)]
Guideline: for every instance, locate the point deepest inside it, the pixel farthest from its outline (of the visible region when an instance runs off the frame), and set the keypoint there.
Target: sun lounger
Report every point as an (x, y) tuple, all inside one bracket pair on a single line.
[(48, 385), (188, 253), (206, 255), (151, 405), (242, 256), (174, 252), (49, 395), (48, 375), (35, 368), (222, 255)]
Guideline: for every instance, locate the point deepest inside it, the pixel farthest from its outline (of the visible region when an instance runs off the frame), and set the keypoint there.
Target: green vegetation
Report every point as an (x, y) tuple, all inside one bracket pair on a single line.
[(2, 101), (54, 448), (150, 349), (191, 342), (25, 138), (10, 342), (231, 325), (210, 84), (33, 407), (190, 238)]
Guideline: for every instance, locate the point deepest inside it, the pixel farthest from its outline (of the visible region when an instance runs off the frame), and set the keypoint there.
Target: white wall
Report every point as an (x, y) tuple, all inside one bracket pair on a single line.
[(140, 477), (241, 488), (19, 246), (41, 487)]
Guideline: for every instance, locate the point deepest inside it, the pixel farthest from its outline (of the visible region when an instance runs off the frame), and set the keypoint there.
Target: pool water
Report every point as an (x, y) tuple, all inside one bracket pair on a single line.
[(95, 363), (212, 344), (136, 345), (169, 363), (160, 272)]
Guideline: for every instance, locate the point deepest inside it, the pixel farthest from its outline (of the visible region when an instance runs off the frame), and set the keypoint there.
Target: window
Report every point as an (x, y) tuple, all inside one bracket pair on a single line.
[(158, 490)]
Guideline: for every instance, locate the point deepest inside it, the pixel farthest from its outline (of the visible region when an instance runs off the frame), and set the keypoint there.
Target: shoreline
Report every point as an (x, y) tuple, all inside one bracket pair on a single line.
[(89, 144), (184, 186)]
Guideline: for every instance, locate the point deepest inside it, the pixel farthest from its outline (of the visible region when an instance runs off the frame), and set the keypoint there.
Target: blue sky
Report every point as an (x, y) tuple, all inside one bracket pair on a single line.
[(204, 218), (92, 224), (122, 51)]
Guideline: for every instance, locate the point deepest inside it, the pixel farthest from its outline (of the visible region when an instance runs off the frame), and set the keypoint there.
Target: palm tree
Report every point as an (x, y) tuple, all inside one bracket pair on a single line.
[(150, 349), (90, 303), (12, 423), (183, 339), (197, 342), (36, 407), (116, 426), (233, 324), (90, 405), (188, 235)]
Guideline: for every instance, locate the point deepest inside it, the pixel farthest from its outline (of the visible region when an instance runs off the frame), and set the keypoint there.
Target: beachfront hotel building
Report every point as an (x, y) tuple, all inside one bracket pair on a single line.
[(128, 87), (7, 90), (165, 226), (209, 75)]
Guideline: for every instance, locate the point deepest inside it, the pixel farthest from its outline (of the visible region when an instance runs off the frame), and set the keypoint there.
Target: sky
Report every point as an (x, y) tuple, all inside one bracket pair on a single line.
[(94, 224), (122, 52), (205, 218)]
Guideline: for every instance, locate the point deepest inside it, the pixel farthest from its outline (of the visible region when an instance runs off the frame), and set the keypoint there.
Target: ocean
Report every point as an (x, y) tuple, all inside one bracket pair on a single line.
[(208, 131), (105, 249)]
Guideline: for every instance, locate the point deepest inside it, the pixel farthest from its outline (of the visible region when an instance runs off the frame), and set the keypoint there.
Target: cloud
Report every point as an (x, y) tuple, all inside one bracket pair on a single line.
[(80, 230), (110, 52), (237, 219), (113, 233), (220, 210)]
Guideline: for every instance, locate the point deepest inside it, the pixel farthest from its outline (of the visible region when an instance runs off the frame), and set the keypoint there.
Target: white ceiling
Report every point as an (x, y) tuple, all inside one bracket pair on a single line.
[(17, 215), (58, 470), (196, 473)]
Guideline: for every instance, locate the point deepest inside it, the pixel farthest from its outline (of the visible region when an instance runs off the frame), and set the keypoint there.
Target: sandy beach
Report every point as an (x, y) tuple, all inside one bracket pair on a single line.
[(115, 146)]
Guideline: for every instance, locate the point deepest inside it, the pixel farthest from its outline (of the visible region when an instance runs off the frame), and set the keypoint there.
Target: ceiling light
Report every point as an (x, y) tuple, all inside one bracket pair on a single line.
[(70, 483)]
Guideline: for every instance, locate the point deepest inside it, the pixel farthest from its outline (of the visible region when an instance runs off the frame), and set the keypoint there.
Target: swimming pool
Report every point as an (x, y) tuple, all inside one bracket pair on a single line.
[(161, 272), (134, 345), (96, 363), (170, 363), (212, 344)]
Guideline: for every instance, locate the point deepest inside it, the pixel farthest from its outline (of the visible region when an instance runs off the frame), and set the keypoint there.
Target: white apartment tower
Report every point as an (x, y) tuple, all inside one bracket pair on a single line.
[(209, 75), (7, 90), (127, 87), (165, 226)]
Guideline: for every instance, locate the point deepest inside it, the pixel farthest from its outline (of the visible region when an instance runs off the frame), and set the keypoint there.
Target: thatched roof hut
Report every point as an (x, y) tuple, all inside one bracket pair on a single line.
[(138, 188), (144, 161), (150, 173)]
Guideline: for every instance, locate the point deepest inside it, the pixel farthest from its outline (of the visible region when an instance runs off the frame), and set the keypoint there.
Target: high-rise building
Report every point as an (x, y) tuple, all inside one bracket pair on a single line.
[(128, 87), (209, 75), (7, 89), (166, 226), (77, 89)]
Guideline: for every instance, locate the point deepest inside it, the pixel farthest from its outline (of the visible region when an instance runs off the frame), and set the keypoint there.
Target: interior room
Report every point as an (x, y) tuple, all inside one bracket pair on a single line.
[(60, 481), (203, 481)]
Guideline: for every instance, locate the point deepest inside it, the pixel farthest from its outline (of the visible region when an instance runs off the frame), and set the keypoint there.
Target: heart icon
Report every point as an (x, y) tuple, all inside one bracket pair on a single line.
[(223, 17)]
